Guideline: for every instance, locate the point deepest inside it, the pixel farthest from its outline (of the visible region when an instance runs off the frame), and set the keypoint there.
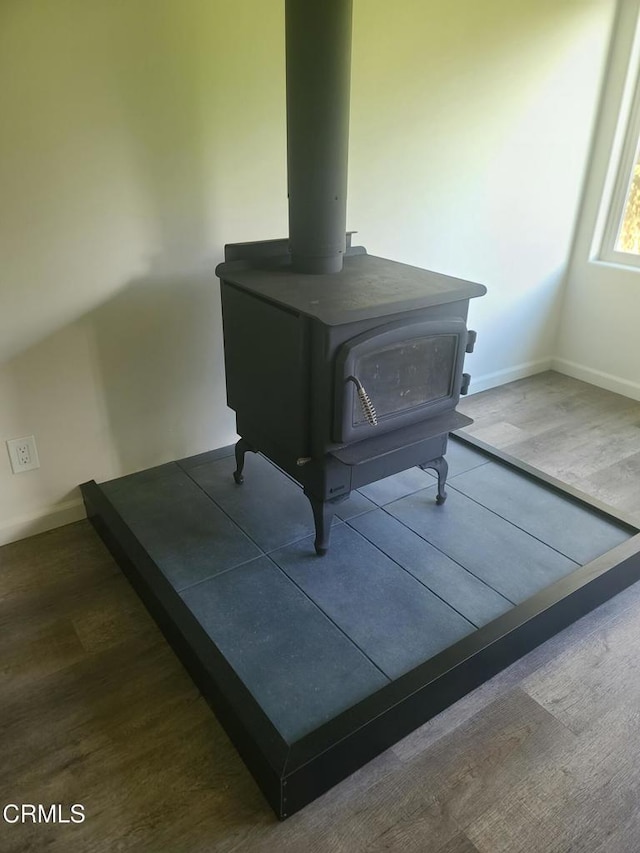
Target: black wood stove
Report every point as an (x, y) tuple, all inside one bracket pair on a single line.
[(342, 368)]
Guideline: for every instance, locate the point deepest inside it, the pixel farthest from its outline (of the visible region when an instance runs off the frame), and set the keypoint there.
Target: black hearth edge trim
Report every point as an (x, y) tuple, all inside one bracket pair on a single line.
[(261, 746), (292, 775)]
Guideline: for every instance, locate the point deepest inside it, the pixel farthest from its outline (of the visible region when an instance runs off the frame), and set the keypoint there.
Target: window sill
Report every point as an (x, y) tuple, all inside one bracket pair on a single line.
[(634, 266)]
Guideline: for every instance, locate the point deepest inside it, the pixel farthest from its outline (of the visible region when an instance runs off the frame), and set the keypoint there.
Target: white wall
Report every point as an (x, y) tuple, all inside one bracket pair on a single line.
[(137, 138), (598, 336), (470, 136)]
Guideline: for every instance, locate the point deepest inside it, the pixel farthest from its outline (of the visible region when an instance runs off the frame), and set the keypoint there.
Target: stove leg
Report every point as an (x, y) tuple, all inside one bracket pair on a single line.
[(323, 512), (241, 448), (441, 467)]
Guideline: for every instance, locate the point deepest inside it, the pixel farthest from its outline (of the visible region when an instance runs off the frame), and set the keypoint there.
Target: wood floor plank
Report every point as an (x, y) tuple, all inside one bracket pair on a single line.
[(564, 643), (617, 484), (415, 835), (585, 682), (565, 427), (573, 799), (486, 756)]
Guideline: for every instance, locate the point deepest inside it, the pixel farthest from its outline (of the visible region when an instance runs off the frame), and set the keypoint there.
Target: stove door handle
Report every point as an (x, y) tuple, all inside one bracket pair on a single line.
[(365, 401)]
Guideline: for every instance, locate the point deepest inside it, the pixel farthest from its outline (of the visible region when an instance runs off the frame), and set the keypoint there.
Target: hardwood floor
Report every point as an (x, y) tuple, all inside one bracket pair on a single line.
[(583, 435), (95, 708)]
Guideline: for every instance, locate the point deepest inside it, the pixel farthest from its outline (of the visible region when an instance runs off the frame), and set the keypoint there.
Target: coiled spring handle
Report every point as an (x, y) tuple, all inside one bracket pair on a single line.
[(365, 401)]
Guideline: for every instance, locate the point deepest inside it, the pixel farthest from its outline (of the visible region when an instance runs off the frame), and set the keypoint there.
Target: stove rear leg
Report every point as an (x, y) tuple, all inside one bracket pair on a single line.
[(242, 447), (441, 467)]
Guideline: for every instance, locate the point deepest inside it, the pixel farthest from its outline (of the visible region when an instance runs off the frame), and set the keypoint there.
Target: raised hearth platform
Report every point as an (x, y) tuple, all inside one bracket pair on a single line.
[(316, 665)]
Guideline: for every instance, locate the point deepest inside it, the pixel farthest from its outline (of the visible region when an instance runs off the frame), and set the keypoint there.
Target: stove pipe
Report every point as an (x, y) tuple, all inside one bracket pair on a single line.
[(318, 42)]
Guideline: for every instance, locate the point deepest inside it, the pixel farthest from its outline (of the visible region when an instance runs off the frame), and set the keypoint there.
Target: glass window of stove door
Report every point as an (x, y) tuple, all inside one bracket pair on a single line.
[(407, 374)]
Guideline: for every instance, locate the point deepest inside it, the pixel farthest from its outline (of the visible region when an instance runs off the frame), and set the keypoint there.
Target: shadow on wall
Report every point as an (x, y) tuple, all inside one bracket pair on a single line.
[(158, 352), (157, 342), (124, 120), (134, 383)]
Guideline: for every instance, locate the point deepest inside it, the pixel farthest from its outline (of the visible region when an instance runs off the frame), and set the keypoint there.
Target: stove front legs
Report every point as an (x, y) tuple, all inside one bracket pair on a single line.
[(323, 512), (242, 447), (441, 467)]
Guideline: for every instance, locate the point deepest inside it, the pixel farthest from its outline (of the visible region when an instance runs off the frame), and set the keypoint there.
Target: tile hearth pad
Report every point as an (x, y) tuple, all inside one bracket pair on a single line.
[(298, 653)]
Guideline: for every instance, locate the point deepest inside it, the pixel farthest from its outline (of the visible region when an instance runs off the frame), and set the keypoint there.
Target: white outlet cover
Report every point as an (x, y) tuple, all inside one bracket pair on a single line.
[(23, 454)]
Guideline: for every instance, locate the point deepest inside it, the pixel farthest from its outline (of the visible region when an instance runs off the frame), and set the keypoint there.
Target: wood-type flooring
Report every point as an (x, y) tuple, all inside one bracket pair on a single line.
[(545, 758)]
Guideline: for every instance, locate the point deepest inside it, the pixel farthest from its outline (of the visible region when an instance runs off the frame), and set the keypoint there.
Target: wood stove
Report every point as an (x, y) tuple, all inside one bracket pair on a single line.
[(299, 348), (342, 368)]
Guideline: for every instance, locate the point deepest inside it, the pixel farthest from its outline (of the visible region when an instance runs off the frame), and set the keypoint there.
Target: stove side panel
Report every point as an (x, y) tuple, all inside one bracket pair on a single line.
[(266, 354)]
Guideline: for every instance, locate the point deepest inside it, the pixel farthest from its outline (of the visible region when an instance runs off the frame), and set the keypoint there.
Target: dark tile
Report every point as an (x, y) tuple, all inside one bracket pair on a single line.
[(145, 476), (268, 506), (571, 529), (356, 504), (206, 457), (396, 486), (462, 590), (511, 561), (300, 668), (461, 457), (392, 617), (184, 532)]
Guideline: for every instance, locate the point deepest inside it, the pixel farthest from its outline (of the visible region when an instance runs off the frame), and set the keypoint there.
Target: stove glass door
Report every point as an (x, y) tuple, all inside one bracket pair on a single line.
[(406, 375), (406, 371)]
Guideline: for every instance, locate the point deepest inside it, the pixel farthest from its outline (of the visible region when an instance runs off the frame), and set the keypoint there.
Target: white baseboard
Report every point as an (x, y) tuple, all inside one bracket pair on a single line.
[(597, 377), (508, 374), (39, 522)]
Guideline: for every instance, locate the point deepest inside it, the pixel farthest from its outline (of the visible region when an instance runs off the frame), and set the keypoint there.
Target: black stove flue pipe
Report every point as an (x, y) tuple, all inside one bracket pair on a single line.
[(318, 40)]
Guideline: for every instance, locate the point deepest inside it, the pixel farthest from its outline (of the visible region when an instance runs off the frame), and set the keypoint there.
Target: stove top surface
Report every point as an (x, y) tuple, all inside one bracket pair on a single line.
[(367, 287)]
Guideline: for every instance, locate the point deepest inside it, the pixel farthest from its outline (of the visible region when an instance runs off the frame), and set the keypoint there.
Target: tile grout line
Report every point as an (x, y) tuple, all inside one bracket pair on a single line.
[(411, 575), (331, 620), (414, 491), (517, 527), (433, 545), (280, 569), (268, 554), (262, 553)]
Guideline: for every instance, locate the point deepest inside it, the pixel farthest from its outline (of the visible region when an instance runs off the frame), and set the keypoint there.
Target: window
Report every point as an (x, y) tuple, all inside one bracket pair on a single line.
[(621, 242), (621, 235), (628, 237)]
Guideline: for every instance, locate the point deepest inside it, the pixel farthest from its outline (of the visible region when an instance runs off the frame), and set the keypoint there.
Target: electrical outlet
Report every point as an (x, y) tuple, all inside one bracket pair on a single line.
[(23, 454)]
